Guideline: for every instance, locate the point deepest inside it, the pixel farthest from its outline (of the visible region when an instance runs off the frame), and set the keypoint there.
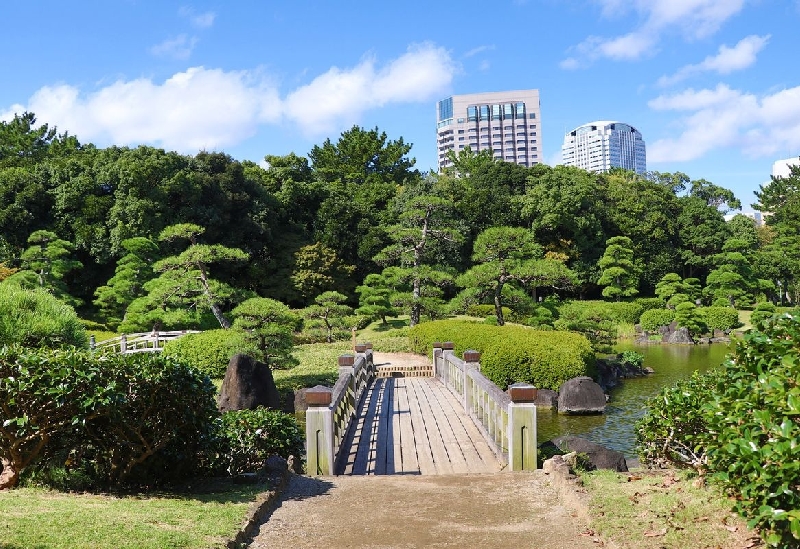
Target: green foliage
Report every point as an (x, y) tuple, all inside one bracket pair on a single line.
[(720, 318), (619, 274), (117, 419), (631, 359), (512, 354), (34, 318), (484, 310), (674, 431), (375, 298), (318, 269), (763, 312), (654, 318), (648, 303), (269, 326), (209, 351), (330, 312), (755, 423), (249, 437), (687, 315)]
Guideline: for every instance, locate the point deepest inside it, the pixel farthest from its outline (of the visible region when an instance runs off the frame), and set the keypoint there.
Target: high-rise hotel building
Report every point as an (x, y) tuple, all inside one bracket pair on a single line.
[(506, 123), (602, 145)]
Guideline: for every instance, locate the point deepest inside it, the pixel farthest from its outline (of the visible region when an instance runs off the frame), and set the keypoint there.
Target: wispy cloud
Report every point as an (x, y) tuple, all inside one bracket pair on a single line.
[(727, 60), (726, 118), (479, 49), (198, 20), (693, 19), (179, 47), (204, 108)]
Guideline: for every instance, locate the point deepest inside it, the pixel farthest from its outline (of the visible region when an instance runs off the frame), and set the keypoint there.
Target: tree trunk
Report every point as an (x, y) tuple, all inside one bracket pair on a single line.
[(498, 305), (9, 476), (224, 322)]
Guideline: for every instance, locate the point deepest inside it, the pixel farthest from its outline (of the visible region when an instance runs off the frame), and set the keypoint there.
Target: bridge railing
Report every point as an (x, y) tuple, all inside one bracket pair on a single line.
[(144, 342), (507, 419), (330, 411)]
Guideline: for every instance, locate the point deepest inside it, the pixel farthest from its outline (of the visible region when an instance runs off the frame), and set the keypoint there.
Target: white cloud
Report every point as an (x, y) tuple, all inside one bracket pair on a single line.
[(210, 109), (421, 74), (479, 49), (179, 47), (727, 60), (198, 20), (693, 18), (727, 118)]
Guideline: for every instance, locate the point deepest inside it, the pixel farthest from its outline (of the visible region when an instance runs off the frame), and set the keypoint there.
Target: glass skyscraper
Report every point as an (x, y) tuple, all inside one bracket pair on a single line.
[(602, 145), (506, 123)]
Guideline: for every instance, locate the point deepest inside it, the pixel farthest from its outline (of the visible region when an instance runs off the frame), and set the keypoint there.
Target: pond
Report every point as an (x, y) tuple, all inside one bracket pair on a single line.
[(615, 428)]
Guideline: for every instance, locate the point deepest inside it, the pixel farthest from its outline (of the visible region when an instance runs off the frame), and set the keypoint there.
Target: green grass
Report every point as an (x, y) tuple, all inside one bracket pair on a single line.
[(662, 510), (33, 518)]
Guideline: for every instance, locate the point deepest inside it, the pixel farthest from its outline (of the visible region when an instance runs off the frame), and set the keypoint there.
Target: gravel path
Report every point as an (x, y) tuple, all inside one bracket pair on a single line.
[(482, 511)]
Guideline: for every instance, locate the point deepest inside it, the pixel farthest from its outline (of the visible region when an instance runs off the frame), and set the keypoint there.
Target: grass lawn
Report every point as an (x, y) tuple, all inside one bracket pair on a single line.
[(663, 510), (32, 518)]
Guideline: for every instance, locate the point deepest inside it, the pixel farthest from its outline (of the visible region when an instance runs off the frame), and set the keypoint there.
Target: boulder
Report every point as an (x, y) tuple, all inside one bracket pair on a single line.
[(545, 398), (598, 455), (247, 385), (581, 395), (680, 335)]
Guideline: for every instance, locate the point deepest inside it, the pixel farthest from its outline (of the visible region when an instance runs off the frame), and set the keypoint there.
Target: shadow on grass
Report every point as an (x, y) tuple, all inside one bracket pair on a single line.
[(15, 546), (391, 324), (299, 381)]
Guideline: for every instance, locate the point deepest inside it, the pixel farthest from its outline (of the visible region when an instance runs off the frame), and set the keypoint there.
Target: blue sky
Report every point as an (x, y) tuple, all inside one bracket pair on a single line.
[(712, 85)]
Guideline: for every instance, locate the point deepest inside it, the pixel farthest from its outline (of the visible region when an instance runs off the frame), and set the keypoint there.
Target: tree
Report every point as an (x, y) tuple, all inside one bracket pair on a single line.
[(318, 269), (508, 255), (133, 270), (425, 231), (734, 278), (375, 298), (270, 326), (330, 311), (466, 161), (687, 316), (185, 283), (45, 264), (619, 274)]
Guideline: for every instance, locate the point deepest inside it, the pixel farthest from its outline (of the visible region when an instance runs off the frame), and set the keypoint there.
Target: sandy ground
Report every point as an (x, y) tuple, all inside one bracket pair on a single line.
[(500, 510)]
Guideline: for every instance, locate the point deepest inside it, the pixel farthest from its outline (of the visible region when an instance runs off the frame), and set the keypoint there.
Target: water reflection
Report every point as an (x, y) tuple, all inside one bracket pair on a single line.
[(615, 428)]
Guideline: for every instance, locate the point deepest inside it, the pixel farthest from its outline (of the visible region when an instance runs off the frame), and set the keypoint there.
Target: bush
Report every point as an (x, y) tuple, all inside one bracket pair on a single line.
[(621, 311), (654, 318), (512, 354), (688, 316), (249, 437), (209, 351), (760, 315), (625, 312), (484, 311), (674, 431), (720, 318), (648, 303), (116, 419), (755, 423), (34, 318)]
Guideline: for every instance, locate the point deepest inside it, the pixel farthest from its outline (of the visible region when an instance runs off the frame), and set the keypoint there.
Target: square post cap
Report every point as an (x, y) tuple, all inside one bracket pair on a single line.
[(522, 392), (448, 346), (437, 344), (360, 348), (472, 356), (319, 396), (347, 360)]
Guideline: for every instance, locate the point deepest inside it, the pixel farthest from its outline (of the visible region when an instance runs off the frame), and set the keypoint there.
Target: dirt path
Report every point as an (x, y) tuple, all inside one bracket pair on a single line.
[(482, 511)]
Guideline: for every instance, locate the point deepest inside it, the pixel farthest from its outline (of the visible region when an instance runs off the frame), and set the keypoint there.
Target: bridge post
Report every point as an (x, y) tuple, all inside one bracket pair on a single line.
[(437, 352), (522, 427), (319, 431), (123, 343), (471, 361), (347, 366)]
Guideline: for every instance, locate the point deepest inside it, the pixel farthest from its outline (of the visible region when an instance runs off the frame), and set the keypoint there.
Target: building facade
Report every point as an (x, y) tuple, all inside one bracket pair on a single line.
[(605, 144), (506, 123)]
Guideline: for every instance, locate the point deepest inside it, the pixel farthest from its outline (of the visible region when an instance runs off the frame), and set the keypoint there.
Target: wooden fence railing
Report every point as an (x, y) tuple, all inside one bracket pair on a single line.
[(507, 419), (145, 342), (330, 411)]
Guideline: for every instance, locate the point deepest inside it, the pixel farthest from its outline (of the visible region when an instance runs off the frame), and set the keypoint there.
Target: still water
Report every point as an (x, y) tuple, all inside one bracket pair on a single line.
[(615, 428)]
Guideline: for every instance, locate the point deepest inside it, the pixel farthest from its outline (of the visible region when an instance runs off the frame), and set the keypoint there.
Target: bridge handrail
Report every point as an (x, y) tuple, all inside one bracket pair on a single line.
[(506, 419), (141, 342), (331, 411)]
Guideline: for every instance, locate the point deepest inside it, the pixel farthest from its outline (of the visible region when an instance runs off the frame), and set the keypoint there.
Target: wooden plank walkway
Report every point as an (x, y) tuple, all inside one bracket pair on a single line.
[(415, 426)]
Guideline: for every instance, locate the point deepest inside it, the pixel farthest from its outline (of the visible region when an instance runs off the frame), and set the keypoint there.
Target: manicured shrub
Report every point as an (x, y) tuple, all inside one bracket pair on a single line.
[(688, 316), (249, 437), (755, 423), (35, 318), (648, 303), (209, 351), (654, 318), (622, 311), (763, 311), (674, 431), (512, 354), (720, 318)]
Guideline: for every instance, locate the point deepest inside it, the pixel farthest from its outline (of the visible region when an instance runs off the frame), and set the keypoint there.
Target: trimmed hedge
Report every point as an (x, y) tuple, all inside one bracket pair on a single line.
[(654, 318), (34, 318), (720, 318), (618, 311), (512, 354), (209, 351)]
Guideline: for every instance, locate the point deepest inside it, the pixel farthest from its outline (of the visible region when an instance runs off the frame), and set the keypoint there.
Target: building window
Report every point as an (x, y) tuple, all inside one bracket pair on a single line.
[(532, 115), (484, 112), (461, 139), (520, 110), (532, 126), (462, 131), (472, 113), (495, 112)]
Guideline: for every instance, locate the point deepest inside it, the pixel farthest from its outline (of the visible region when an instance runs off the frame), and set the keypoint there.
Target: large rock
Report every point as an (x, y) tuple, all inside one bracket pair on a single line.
[(599, 456), (680, 335), (581, 395), (545, 398), (248, 384)]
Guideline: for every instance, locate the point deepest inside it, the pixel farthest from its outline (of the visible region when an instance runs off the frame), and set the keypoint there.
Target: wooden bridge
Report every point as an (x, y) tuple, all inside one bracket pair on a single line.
[(144, 342), (427, 418)]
